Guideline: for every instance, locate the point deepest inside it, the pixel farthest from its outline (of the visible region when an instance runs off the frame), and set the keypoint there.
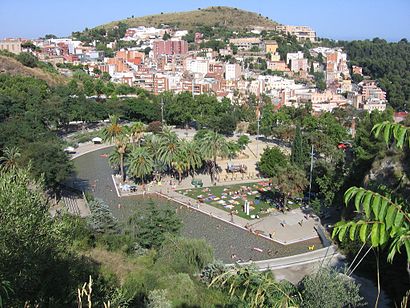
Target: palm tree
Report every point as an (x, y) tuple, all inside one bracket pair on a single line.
[(180, 164), (137, 132), (192, 155), (257, 289), (168, 147), (9, 160), (140, 162), (119, 136), (213, 145), (291, 181)]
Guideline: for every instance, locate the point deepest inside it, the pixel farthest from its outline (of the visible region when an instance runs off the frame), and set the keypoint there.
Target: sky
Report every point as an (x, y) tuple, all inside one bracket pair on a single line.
[(335, 19)]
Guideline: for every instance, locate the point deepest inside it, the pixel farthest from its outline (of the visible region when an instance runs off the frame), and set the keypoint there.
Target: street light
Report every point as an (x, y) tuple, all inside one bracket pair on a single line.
[(162, 111), (311, 173), (258, 115)]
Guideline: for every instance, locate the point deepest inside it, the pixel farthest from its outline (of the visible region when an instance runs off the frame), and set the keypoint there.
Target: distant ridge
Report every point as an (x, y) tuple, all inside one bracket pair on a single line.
[(222, 16)]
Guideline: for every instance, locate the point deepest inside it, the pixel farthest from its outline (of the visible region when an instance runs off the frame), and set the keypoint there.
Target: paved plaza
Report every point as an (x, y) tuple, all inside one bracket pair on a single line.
[(285, 228)]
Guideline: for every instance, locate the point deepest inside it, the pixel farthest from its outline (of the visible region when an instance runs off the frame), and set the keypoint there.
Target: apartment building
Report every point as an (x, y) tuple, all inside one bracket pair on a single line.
[(302, 33), (170, 47), (232, 71), (198, 65), (371, 90), (246, 43), (297, 62)]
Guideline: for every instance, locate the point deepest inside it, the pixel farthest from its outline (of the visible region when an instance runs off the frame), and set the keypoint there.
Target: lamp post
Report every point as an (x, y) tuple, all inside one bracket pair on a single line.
[(162, 111), (311, 173), (258, 116)]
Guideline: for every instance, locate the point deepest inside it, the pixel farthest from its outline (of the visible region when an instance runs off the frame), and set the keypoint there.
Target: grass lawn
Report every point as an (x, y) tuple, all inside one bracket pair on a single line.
[(263, 200)]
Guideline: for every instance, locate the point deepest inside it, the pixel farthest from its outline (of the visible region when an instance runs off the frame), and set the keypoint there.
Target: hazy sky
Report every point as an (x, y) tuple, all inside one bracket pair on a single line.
[(337, 19)]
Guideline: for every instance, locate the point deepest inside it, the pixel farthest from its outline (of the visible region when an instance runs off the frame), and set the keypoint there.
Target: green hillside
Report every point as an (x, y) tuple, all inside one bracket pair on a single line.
[(221, 16)]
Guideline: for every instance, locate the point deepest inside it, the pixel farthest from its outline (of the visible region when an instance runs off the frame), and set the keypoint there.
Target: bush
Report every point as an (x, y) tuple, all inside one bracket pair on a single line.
[(155, 127), (328, 288), (27, 59)]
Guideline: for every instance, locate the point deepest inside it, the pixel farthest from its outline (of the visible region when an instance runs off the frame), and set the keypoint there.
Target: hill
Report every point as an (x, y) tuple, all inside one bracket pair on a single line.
[(14, 67), (222, 16)]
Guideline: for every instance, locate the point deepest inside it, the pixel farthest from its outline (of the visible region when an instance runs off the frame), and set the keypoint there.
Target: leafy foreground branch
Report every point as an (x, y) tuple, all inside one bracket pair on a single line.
[(250, 288)]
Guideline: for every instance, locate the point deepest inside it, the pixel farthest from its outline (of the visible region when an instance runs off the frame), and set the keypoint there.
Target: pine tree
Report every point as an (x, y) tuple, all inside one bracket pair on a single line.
[(298, 154)]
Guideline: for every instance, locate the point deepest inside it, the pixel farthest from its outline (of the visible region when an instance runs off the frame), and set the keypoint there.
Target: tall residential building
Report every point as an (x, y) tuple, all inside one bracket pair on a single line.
[(232, 71), (170, 47)]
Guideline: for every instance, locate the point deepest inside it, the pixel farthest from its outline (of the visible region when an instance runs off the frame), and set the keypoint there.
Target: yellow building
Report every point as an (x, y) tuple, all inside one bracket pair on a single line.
[(271, 46)]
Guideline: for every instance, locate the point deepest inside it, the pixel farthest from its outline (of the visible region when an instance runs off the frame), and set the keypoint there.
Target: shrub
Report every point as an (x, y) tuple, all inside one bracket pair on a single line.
[(27, 59)]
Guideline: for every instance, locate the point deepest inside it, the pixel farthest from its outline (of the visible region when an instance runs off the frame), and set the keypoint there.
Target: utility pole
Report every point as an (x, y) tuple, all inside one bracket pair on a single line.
[(311, 173), (257, 129), (162, 111)]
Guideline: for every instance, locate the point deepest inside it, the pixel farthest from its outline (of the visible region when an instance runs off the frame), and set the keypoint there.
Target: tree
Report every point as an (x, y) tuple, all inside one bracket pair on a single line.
[(168, 147), (101, 219), (137, 130), (380, 218), (9, 160), (55, 169), (140, 163), (213, 145), (50, 36), (291, 181), (193, 155), (256, 289), (272, 162), (243, 142), (329, 288), (151, 226), (147, 50), (33, 245), (298, 155), (179, 164), (166, 36), (117, 134)]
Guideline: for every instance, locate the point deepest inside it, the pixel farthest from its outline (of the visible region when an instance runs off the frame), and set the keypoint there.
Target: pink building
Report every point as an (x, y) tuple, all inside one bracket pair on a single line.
[(170, 47)]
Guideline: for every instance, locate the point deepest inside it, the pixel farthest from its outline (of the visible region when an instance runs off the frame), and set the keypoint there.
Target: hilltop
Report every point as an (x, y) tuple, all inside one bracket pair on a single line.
[(13, 67), (222, 16)]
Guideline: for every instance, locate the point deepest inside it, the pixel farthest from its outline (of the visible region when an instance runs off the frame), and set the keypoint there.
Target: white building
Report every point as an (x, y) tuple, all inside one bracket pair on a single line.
[(197, 66), (232, 71)]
